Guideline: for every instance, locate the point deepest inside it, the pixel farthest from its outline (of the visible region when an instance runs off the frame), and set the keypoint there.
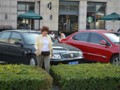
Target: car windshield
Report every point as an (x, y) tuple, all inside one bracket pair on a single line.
[(114, 38), (31, 37)]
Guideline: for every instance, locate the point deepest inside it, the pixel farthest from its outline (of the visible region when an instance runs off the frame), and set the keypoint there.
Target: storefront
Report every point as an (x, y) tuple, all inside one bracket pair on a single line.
[(89, 13), (23, 7), (68, 16), (95, 10)]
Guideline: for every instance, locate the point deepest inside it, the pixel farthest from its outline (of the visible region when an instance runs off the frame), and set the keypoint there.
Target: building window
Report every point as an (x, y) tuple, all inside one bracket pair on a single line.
[(23, 7), (68, 16), (95, 10), (68, 23), (69, 7)]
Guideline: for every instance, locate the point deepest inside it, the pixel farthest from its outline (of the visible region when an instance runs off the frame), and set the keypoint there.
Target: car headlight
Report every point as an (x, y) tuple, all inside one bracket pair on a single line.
[(56, 56), (27, 52), (81, 54)]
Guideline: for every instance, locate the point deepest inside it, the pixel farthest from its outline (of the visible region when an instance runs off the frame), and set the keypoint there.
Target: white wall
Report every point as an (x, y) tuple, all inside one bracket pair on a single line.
[(8, 7), (82, 15)]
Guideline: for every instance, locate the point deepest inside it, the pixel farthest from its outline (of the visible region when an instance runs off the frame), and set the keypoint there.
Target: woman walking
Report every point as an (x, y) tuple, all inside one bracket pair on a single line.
[(43, 46)]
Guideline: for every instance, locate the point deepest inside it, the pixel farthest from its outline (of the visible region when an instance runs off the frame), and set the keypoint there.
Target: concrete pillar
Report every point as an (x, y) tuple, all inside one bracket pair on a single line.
[(55, 15), (109, 9), (45, 12), (50, 17), (117, 10), (13, 14), (37, 10), (82, 15)]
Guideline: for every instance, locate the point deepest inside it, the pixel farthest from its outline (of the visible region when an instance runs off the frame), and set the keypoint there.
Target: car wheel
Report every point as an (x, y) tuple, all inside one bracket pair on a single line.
[(33, 61), (115, 60)]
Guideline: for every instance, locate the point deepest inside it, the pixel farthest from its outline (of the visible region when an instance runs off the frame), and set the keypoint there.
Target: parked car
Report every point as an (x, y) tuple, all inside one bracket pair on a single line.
[(14, 41), (97, 45)]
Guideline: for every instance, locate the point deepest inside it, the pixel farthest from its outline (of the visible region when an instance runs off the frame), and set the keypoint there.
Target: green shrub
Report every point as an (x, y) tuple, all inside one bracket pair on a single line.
[(87, 76), (21, 77)]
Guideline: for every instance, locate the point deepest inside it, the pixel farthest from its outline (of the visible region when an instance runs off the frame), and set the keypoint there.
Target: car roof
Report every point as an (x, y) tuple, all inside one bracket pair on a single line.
[(22, 31), (97, 31)]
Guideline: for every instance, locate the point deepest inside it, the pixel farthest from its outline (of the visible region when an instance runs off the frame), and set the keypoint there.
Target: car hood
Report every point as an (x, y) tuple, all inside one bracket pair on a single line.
[(58, 48), (63, 48)]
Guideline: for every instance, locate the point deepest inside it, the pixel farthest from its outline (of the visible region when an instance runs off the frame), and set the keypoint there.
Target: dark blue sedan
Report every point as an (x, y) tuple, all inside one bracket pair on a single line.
[(12, 42)]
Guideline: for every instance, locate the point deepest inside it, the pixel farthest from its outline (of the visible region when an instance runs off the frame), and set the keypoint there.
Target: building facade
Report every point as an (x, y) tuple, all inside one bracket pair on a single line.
[(60, 15)]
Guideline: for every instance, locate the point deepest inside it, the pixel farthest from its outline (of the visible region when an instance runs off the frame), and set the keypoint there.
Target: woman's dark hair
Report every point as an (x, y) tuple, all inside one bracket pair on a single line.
[(45, 28)]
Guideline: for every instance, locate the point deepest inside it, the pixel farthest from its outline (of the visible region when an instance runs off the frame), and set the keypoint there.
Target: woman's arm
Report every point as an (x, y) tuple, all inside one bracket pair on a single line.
[(36, 43)]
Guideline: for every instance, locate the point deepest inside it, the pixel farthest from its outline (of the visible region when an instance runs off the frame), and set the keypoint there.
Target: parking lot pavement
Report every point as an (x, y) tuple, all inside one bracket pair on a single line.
[(55, 87)]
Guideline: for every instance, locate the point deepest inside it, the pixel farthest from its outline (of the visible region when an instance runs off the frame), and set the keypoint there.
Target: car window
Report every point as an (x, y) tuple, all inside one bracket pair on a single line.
[(30, 38), (81, 36), (15, 37), (96, 38), (5, 36)]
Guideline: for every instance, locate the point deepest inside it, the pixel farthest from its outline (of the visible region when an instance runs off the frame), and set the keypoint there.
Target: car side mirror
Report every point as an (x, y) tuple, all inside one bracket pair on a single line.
[(19, 43), (103, 42)]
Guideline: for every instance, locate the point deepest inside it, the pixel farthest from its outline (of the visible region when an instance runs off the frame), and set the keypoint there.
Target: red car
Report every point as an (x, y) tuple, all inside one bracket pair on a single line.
[(97, 45)]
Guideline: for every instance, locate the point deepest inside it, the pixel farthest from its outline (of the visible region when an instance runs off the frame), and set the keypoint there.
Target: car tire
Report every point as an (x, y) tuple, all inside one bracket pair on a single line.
[(115, 60), (33, 61)]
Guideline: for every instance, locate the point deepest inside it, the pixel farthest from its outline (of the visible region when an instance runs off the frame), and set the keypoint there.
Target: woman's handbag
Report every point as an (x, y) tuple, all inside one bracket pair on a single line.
[(45, 53)]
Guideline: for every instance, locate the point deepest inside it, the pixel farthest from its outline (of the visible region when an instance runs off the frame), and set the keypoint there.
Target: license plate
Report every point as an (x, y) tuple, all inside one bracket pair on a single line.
[(73, 63)]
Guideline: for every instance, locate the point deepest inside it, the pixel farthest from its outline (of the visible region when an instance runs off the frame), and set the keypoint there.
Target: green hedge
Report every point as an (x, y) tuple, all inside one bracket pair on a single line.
[(87, 76), (21, 77)]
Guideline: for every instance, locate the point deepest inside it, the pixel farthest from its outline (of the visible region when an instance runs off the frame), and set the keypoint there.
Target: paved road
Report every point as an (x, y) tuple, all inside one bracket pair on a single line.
[(55, 87)]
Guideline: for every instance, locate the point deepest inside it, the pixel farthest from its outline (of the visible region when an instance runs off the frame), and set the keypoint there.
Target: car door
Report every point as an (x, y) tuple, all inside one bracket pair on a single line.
[(4, 51), (17, 52), (98, 52), (80, 40), (4, 47)]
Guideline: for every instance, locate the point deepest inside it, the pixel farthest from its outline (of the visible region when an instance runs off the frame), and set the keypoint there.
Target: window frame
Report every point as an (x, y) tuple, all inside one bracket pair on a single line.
[(81, 33), (7, 38), (26, 4), (19, 34), (95, 12), (108, 43)]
